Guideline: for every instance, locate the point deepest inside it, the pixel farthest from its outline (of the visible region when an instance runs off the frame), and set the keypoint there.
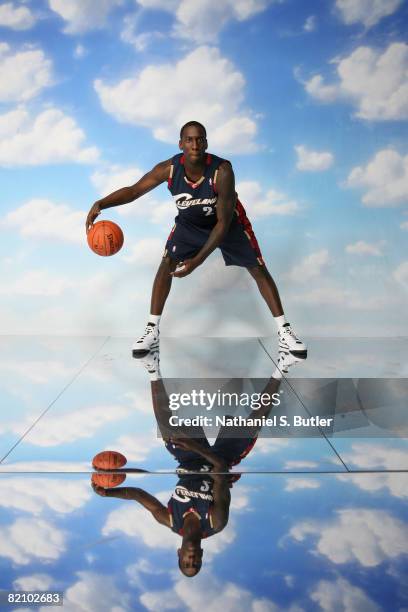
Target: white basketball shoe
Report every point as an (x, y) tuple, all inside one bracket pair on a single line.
[(147, 341), (289, 342), (287, 361)]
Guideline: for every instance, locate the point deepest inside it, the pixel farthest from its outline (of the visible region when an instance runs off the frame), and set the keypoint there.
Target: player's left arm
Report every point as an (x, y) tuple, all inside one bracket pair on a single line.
[(222, 501), (225, 209)]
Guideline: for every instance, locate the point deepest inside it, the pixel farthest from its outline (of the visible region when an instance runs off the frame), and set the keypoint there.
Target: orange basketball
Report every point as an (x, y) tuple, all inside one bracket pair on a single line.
[(109, 460), (105, 238), (108, 480)]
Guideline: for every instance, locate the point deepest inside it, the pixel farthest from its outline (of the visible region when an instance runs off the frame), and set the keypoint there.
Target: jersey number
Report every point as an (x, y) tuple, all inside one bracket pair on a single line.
[(208, 210)]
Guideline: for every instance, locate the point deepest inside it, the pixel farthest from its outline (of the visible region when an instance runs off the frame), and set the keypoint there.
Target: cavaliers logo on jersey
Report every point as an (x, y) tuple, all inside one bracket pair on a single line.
[(185, 200)]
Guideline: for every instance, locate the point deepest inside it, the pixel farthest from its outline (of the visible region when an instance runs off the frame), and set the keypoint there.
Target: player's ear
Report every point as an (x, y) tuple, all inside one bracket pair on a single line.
[(180, 145)]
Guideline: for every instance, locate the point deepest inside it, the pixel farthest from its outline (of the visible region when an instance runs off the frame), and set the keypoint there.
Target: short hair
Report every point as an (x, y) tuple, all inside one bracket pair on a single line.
[(196, 123)]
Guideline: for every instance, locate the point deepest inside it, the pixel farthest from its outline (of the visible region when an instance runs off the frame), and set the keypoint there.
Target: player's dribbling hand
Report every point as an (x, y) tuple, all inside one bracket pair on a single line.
[(184, 268), (99, 490), (93, 213)]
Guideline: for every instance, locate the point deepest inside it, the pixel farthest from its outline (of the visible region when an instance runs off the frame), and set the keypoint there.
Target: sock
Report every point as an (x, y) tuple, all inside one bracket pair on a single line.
[(154, 319), (280, 321)]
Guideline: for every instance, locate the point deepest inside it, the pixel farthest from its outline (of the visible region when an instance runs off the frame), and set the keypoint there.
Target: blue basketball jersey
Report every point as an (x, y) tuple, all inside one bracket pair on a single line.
[(195, 202), (192, 494)]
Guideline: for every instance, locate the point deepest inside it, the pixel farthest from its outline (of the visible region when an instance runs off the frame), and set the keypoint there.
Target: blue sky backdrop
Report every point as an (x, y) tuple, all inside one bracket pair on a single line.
[(309, 101)]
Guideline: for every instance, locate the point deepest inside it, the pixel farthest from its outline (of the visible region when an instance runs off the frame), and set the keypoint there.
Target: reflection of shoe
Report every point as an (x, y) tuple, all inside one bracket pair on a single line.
[(151, 362), (289, 342), (149, 340), (287, 360)]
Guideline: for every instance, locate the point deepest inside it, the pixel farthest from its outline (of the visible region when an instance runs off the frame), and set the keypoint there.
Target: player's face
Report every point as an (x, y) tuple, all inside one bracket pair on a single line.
[(190, 560), (193, 143)]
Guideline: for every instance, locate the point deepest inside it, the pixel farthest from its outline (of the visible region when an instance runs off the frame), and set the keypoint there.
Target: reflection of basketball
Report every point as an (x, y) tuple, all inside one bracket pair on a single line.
[(105, 238), (109, 460), (108, 480)]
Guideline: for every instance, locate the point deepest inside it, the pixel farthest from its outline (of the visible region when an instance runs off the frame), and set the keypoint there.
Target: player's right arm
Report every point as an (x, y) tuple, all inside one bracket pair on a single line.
[(144, 498), (159, 174)]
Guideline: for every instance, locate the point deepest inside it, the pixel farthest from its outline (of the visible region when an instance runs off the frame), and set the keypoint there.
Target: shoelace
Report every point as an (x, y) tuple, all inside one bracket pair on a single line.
[(291, 333), (149, 330)]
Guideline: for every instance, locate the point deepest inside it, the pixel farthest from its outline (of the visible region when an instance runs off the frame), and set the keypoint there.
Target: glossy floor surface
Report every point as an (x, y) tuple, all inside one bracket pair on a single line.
[(317, 515)]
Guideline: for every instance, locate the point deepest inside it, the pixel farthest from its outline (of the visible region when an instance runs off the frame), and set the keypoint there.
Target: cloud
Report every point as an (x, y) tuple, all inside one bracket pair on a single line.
[(16, 18), (365, 248), (385, 179), (139, 523), (40, 219), (39, 282), (134, 100), (83, 15), (80, 597), (400, 274), (300, 465), (28, 540), (50, 137), (310, 267), (259, 204), (360, 535), (374, 82), (34, 495), (24, 73), (202, 20), (139, 41), (342, 595), (293, 484), (367, 12), (310, 24), (80, 51), (35, 582), (145, 252), (218, 595), (77, 424), (404, 225), (313, 161)]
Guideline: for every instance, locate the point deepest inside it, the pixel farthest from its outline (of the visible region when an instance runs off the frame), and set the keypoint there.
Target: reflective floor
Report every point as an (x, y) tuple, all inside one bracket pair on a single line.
[(308, 517)]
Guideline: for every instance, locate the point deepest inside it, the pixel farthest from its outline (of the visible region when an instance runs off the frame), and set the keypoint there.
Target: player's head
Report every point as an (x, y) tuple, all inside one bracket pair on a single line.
[(190, 558), (193, 140)]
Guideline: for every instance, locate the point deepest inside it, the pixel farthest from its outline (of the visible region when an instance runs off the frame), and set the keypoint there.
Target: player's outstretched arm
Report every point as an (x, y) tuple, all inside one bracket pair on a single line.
[(225, 209), (149, 502), (222, 501), (149, 181)]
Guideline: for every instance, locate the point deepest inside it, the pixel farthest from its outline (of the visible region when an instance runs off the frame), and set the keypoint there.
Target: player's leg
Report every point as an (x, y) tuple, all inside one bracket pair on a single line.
[(160, 292)]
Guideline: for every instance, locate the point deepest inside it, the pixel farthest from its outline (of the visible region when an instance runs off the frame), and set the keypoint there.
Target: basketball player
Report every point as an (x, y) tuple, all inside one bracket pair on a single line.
[(210, 215)]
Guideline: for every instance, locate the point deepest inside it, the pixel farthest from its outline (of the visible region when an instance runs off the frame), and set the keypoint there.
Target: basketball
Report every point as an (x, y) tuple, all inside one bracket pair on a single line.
[(109, 460), (105, 238), (108, 480)]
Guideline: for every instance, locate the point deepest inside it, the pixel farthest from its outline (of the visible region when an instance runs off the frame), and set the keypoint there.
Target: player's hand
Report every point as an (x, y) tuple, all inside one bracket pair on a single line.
[(93, 213), (184, 268), (99, 490)]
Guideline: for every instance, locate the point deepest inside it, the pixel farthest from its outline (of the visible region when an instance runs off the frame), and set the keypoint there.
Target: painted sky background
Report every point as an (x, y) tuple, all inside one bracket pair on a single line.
[(308, 100)]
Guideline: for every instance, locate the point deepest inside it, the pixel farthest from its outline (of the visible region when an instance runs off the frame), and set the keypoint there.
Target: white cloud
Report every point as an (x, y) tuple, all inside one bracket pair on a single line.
[(385, 178), (367, 12), (81, 596), (401, 274), (313, 161), (48, 138), (310, 24), (27, 540), (83, 15), (39, 282), (135, 101), (16, 18), (296, 464), (375, 82), (34, 582), (365, 248), (294, 484), (77, 424), (145, 252), (259, 204), (140, 451), (202, 20), (310, 267), (139, 523), (34, 495), (218, 595), (342, 595), (404, 225), (139, 41), (368, 537), (40, 219), (80, 51), (24, 73), (113, 177)]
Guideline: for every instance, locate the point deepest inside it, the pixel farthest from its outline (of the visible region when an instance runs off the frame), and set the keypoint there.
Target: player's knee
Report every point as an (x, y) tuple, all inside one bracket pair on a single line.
[(258, 272)]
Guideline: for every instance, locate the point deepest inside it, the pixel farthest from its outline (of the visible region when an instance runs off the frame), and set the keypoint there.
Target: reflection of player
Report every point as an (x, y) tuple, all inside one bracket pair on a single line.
[(199, 506), (210, 215)]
